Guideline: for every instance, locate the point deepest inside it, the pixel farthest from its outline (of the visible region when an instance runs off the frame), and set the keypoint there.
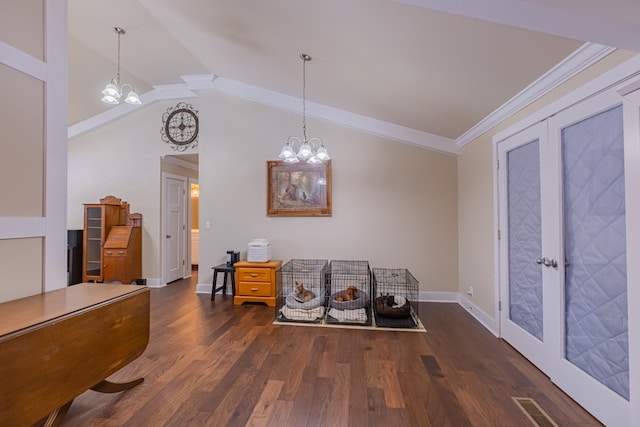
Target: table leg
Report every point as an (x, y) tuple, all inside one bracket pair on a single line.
[(55, 418), (213, 290)]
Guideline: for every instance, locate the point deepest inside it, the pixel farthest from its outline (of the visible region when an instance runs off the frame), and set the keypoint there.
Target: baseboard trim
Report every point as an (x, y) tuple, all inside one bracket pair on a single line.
[(482, 317), (438, 297), (205, 288)]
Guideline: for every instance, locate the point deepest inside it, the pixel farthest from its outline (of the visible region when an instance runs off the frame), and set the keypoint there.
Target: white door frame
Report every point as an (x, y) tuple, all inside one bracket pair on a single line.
[(631, 113), (183, 237), (617, 411)]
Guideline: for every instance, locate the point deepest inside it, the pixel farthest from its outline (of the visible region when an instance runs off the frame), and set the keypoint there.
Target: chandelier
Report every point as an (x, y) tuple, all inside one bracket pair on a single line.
[(310, 150), (113, 91)]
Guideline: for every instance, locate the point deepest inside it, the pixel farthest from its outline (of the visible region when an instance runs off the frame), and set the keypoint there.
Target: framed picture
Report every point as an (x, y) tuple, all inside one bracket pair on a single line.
[(298, 189)]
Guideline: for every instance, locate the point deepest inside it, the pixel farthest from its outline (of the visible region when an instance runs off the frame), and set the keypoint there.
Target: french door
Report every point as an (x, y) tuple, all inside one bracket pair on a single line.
[(563, 253)]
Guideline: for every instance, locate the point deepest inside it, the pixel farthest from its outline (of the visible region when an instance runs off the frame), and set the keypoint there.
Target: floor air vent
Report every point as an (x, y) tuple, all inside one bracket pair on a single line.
[(534, 412)]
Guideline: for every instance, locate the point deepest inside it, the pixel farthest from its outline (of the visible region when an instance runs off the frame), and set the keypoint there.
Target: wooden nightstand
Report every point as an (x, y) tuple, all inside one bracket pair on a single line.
[(256, 282)]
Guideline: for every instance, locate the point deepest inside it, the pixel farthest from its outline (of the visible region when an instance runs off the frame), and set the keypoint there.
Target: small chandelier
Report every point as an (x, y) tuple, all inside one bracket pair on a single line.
[(113, 91), (311, 150)]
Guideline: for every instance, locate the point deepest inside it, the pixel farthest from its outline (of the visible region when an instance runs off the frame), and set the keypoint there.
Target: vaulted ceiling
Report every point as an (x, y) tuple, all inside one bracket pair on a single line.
[(435, 67)]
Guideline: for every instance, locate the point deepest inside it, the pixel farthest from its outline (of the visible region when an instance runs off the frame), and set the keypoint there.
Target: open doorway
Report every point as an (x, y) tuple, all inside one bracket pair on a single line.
[(179, 175)]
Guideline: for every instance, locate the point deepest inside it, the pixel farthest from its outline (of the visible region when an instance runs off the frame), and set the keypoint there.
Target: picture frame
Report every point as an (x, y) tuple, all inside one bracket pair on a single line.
[(298, 189)]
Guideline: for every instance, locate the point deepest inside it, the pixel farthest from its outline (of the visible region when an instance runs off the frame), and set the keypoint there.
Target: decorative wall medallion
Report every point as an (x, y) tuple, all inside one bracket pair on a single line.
[(180, 126)]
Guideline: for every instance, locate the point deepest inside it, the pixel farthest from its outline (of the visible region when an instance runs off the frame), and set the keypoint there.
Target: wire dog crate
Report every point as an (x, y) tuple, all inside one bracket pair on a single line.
[(349, 297), (303, 291), (395, 301)]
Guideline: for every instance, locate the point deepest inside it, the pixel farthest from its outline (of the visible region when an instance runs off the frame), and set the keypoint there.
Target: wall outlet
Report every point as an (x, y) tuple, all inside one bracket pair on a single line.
[(470, 291)]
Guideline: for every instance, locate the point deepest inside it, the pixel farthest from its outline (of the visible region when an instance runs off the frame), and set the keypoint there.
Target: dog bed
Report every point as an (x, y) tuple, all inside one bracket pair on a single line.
[(293, 302), (393, 306), (361, 301), (303, 315)]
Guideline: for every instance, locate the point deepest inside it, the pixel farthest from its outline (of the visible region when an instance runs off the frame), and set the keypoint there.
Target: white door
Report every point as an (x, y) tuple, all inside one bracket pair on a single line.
[(563, 255), (523, 320), (174, 227), (592, 342)]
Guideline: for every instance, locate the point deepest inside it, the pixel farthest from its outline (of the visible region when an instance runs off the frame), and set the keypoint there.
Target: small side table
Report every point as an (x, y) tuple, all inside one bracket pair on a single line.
[(226, 269), (257, 282)]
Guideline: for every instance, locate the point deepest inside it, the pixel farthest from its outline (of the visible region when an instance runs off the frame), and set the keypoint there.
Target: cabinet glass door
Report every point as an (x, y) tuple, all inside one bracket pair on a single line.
[(93, 257)]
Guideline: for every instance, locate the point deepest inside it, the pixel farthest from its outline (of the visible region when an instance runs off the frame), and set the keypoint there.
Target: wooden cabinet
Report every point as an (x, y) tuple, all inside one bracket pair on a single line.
[(110, 221), (123, 254), (256, 282), (98, 220)]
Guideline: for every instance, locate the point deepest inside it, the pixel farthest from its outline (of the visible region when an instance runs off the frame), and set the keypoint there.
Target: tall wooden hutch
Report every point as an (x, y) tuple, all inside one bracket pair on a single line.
[(112, 242)]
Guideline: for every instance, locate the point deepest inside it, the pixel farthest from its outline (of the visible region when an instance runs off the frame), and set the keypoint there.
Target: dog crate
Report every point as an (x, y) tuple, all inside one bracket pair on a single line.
[(349, 294), (295, 305), (395, 298)]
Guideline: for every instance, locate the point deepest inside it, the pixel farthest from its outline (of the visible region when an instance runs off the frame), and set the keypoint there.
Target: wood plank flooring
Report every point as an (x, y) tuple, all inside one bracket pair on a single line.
[(216, 364)]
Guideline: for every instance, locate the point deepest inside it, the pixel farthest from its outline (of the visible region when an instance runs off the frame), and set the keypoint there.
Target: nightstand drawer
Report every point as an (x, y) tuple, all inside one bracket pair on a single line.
[(254, 275), (261, 289)]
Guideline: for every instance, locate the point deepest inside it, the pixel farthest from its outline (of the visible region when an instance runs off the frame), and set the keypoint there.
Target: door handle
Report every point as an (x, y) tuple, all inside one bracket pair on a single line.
[(547, 262), (168, 236)]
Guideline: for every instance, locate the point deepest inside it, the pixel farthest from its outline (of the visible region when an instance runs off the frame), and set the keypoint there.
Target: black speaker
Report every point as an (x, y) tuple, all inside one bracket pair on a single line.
[(74, 257)]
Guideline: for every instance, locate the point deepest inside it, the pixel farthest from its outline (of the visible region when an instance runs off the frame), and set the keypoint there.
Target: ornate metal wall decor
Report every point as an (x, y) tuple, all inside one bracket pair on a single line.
[(180, 126)]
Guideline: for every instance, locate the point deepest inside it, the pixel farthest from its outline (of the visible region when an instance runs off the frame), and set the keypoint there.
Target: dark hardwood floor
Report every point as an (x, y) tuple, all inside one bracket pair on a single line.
[(216, 364)]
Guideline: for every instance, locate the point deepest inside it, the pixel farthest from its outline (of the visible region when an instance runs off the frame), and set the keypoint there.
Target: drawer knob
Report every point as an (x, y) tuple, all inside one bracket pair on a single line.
[(254, 289), (254, 274), (121, 252)]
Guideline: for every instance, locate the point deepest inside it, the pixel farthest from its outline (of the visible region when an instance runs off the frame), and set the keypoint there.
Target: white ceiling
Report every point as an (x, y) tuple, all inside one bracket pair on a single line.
[(425, 65)]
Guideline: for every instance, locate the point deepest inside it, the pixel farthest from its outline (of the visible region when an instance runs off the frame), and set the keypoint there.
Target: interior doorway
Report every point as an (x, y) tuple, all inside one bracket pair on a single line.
[(180, 201)]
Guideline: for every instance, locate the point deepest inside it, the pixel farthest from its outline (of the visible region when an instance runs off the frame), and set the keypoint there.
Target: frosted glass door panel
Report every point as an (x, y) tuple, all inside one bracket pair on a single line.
[(596, 337), (525, 243)]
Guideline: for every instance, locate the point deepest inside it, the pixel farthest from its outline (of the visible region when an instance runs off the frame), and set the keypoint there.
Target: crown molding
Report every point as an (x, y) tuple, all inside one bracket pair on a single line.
[(158, 93), (344, 118), (582, 58)]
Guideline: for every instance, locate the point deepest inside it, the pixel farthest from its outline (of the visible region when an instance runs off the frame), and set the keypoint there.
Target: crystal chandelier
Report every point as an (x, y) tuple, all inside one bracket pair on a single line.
[(311, 150)]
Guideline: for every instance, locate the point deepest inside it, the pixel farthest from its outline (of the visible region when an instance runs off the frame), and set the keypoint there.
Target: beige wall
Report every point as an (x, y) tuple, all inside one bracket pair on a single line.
[(393, 204), (22, 145), (475, 191), (22, 26)]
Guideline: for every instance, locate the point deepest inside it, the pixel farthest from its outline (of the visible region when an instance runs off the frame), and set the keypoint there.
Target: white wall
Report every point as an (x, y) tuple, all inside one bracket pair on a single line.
[(394, 205), (123, 159)]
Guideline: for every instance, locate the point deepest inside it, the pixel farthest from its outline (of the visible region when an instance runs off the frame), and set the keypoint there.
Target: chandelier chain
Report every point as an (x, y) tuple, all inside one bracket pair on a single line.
[(118, 73), (304, 98), (312, 150)]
